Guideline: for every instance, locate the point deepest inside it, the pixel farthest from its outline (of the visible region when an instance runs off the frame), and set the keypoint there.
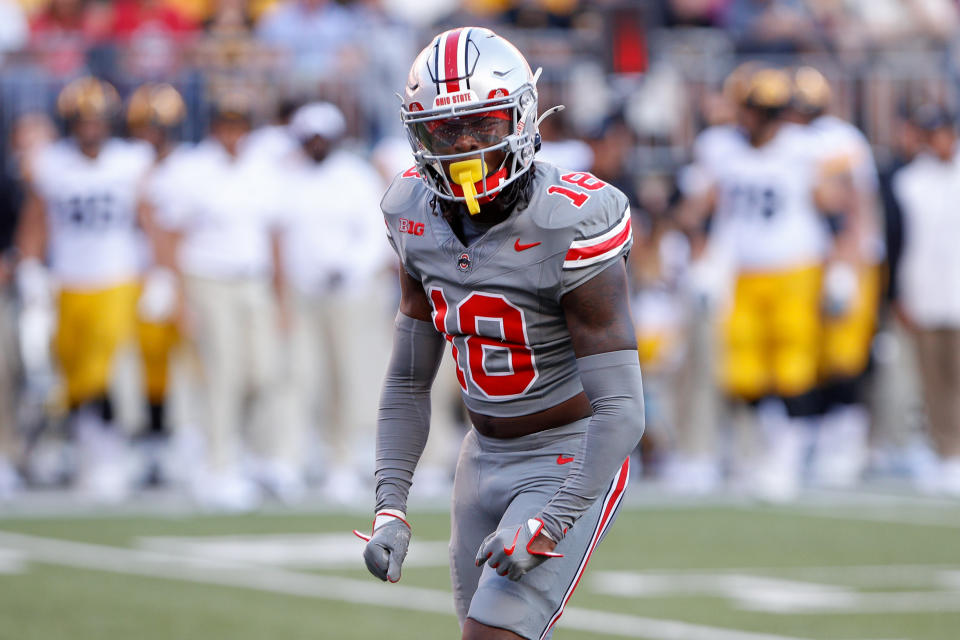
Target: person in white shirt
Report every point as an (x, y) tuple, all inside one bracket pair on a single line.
[(80, 219), (220, 226), (927, 191), (335, 258)]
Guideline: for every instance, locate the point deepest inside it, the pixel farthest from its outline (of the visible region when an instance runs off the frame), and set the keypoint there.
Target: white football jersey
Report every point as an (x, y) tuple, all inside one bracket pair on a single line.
[(91, 211), (710, 149), (844, 143), (765, 215)]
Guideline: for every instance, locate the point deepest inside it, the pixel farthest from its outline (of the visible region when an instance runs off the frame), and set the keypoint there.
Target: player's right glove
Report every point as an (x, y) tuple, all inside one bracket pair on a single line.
[(510, 550), (387, 545)]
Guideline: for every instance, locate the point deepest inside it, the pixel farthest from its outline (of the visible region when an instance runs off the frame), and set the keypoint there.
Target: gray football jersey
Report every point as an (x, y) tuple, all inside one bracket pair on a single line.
[(497, 301)]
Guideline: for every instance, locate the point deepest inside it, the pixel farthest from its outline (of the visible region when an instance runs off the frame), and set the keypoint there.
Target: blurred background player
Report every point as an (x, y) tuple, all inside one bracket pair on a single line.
[(80, 216), (769, 231), (927, 191), (219, 224), (852, 281), (154, 111), (334, 267)]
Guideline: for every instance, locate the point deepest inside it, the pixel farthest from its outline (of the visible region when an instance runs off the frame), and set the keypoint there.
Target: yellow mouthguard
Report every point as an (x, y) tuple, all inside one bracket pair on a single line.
[(466, 173)]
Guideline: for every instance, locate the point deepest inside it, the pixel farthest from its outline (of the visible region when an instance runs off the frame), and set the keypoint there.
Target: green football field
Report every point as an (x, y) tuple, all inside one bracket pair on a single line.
[(857, 567)]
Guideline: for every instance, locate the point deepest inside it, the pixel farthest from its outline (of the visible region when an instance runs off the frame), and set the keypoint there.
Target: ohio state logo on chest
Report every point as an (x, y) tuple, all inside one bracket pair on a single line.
[(412, 227)]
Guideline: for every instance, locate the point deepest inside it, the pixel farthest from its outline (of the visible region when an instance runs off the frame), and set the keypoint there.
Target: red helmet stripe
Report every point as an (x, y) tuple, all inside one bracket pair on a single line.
[(450, 59)]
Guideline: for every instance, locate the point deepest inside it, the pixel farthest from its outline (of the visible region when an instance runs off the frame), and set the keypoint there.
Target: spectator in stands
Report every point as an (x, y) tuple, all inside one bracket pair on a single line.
[(335, 259), (316, 34), (927, 191), (154, 32), (692, 13), (227, 50), (857, 25), (62, 35), (133, 17), (14, 29), (220, 226), (771, 26)]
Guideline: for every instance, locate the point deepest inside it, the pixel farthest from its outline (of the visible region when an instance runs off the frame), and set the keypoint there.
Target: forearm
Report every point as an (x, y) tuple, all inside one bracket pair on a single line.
[(403, 422), (612, 382)]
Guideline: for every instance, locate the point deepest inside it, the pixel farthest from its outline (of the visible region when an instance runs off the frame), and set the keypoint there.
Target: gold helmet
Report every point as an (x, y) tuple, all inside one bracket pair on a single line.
[(811, 91), (88, 97), (736, 84), (768, 89), (155, 104)]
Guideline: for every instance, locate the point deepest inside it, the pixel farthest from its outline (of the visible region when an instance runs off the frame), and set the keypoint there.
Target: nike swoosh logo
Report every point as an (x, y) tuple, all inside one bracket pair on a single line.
[(509, 550), (523, 247), (501, 74), (562, 460)]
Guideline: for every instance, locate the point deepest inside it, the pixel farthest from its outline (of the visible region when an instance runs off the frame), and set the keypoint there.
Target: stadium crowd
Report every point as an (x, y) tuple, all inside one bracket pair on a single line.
[(196, 290)]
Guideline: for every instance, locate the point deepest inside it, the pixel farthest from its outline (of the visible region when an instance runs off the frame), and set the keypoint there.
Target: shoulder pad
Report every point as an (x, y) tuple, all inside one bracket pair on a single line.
[(575, 200), (48, 161), (405, 192)]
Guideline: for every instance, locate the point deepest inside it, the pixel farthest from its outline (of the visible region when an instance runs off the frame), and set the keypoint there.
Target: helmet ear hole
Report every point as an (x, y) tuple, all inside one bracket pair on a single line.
[(537, 140)]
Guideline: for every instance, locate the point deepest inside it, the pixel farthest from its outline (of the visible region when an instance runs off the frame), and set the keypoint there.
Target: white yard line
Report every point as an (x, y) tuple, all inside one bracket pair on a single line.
[(859, 603), (12, 561), (162, 565), (948, 517), (865, 576)]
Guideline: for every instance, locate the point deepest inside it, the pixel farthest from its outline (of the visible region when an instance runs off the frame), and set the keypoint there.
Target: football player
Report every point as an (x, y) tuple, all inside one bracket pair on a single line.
[(767, 199), (851, 283), (81, 214), (153, 113), (519, 266)]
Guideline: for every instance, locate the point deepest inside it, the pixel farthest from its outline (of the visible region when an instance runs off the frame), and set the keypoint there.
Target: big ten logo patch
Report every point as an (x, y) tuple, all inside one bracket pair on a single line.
[(411, 227)]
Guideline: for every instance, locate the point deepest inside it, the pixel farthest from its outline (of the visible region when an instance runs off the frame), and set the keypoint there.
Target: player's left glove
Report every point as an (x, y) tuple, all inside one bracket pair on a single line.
[(509, 551), (387, 545)]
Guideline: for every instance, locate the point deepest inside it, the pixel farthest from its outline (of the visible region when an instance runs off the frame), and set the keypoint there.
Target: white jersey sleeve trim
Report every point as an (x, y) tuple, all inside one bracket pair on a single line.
[(583, 253)]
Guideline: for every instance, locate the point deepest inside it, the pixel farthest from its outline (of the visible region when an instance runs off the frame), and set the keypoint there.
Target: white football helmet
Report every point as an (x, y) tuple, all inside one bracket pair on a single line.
[(466, 80)]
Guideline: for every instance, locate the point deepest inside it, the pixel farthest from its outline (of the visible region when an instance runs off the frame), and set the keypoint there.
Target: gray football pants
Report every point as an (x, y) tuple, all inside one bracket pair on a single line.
[(502, 483)]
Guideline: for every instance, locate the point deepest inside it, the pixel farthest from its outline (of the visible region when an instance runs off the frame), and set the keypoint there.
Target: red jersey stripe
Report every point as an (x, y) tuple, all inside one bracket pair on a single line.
[(582, 253), (612, 501)]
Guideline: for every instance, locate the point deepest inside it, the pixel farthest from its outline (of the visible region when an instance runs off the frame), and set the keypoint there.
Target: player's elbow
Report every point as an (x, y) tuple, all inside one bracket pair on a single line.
[(635, 418)]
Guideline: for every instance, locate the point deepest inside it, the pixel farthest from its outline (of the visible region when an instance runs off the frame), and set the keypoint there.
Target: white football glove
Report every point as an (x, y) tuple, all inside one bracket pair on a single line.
[(33, 284), (840, 288), (387, 545), (159, 298), (508, 550)]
